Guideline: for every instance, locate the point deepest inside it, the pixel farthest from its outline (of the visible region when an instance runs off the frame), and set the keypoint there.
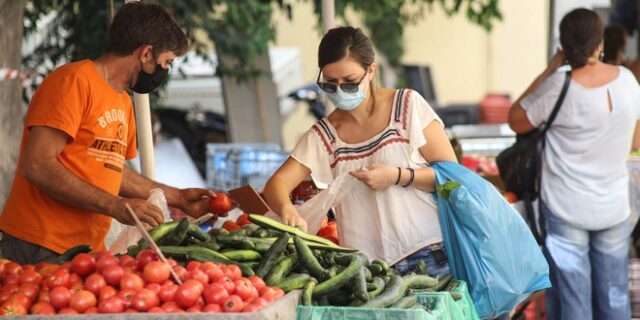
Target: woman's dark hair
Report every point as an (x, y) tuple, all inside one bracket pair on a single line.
[(615, 40), (342, 41), (580, 34), (138, 23)]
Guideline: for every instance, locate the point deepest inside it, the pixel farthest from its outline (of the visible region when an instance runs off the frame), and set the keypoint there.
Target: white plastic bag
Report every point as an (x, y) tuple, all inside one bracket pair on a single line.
[(129, 235), (314, 211)]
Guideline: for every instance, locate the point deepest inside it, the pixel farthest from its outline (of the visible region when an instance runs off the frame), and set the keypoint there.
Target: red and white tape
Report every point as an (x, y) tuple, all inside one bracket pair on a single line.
[(10, 74)]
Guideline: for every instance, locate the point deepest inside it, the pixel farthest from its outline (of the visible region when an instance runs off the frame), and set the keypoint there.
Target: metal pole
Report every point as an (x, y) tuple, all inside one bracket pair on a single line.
[(328, 15), (145, 131)]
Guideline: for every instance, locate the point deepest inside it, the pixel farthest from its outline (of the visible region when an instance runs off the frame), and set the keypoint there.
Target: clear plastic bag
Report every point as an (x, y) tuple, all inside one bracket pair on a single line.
[(314, 210), (129, 235)]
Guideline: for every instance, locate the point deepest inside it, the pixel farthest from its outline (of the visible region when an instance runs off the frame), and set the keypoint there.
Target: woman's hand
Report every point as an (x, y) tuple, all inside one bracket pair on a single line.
[(291, 217), (377, 176)]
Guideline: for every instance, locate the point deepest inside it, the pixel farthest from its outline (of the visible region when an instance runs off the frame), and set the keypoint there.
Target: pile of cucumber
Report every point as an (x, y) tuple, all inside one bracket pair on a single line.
[(291, 259)]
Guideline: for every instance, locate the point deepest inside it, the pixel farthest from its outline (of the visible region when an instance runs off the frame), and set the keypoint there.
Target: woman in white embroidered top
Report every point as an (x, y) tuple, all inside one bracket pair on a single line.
[(383, 137), (585, 182)]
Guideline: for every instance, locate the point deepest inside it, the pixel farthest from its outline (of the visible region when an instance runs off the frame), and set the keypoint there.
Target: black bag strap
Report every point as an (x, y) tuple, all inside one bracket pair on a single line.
[(556, 108)]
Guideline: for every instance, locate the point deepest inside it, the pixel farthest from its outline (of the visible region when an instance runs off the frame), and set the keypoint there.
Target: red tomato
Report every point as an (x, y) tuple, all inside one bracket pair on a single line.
[(257, 282), (112, 275), (232, 303), (5, 295), (43, 296), (155, 287), (167, 292), (172, 263), (12, 268), (30, 290), (279, 292), (19, 298), (156, 272), (82, 301), (194, 309), (196, 283), (59, 297), (260, 302), (215, 294), (98, 255), (42, 308), (170, 307), (9, 309), (226, 283), (232, 271), (105, 261), (269, 294), (123, 259), (187, 294), (83, 264), (250, 307), (111, 305), (106, 292), (11, 279), (131, 281), (130, 310), (198, 275), (207, 265), (76, 287), (221, 204), (30, 276), (144, 257), (92, 310), (214, 273), (48, 270), (73, 278), (230, 225), (243, 219), (193, 265), (59, 278), (244, 289), (94, 283), (156, 310), (144, 300), (181, 272), (212, 308), (67, 311), (126, 296)]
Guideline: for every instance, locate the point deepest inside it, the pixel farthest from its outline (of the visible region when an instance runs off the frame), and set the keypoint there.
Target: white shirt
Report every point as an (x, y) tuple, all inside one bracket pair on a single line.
[(389, 224), (584, 172)]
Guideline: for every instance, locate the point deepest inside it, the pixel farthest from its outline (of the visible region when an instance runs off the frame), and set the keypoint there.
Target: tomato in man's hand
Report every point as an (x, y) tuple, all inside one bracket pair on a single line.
[(221, 204)]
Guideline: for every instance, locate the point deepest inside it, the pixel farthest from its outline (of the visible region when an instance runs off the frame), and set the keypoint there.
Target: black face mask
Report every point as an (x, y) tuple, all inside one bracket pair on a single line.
[(148, 82)]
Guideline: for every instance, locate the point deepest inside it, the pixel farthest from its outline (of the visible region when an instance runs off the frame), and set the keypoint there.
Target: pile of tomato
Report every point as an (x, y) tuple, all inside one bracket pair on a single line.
[(103, 283)]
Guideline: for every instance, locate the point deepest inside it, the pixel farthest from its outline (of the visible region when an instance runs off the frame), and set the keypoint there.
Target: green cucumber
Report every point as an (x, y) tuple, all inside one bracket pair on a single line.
[(341, 297), (383, 264), (175, 237), (215, 232), (211, 244), (272, 224), (195, 231), (360, 286), (157, 233), (260, 233), (281, 269), (242, 255), (344, 259), (420, 281), (379, 284), (272, 255), (74, 251), (236, 242), (307, 292), (376, 270), (394, 290), (340, 280), (443, 282), (195, 253), (293, 282), (406, 302), (309, 260), (421, 267)]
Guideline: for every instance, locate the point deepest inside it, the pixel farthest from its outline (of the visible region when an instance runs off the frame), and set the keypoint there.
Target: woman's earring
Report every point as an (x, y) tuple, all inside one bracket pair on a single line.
[(601, 55)]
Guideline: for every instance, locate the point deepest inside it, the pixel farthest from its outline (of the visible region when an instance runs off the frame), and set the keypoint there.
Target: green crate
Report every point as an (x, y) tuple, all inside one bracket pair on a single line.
[(438, 306), (462, 309)]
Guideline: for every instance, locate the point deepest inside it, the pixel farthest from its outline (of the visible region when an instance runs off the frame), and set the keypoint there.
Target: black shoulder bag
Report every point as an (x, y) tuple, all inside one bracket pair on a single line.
[(520, 166)]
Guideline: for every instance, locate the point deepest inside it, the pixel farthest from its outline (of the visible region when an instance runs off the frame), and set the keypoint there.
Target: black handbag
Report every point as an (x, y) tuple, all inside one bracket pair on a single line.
[(520, 166)]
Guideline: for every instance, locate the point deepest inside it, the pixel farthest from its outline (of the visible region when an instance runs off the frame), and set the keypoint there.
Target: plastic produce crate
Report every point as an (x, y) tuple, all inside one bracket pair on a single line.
[(460, 309), (232, 165)]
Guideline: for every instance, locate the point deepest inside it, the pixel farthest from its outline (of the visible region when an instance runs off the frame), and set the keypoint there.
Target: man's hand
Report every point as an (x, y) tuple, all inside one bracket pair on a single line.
[(377, 176), (193, 201), (145, 210)]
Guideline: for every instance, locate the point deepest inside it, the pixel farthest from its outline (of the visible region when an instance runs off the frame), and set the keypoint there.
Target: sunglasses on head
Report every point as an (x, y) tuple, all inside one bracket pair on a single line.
[(348, 87)]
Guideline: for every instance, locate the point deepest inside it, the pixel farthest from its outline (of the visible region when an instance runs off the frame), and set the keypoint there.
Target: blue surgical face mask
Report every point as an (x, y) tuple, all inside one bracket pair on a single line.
[(346, 101)]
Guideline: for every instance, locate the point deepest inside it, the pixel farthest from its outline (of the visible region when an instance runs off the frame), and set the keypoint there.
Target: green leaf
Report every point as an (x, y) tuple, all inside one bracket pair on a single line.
[(444, 190)]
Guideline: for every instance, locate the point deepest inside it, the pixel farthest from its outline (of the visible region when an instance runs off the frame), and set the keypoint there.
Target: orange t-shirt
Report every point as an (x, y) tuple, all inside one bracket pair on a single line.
[(100, 121)]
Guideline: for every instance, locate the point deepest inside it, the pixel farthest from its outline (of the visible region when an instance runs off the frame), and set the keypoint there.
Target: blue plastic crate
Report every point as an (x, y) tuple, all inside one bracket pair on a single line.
[(232, 165)]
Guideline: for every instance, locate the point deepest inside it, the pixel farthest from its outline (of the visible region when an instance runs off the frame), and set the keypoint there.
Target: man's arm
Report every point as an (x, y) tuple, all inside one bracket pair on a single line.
[(193, 201), (41, 167)]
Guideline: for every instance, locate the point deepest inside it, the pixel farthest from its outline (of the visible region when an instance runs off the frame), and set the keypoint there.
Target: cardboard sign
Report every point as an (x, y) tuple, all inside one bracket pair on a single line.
[(249, 200)]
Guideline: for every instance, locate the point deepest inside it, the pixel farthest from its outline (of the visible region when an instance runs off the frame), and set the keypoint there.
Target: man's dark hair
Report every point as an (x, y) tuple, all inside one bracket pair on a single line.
[(138, 23)]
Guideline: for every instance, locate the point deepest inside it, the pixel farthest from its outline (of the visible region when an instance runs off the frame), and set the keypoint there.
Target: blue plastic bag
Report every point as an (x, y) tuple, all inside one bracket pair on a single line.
[(487, 242)]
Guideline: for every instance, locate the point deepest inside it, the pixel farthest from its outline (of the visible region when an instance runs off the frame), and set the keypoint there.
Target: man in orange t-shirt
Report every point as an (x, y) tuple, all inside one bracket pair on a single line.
[(71, 178)]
